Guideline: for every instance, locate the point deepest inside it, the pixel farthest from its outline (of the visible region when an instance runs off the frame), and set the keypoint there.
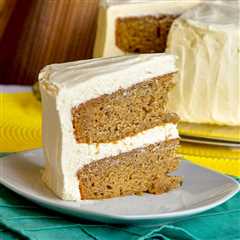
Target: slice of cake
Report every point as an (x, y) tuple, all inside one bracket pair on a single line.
[(133, 26), (207, 43), (106, 129)]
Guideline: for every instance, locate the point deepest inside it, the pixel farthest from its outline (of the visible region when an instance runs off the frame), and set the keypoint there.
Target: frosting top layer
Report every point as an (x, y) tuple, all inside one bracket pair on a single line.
[(118, 2), (103, 70), (221, 15)]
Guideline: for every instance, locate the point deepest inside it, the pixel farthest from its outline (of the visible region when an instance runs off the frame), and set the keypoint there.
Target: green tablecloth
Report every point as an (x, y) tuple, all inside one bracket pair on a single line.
[(22, 219)]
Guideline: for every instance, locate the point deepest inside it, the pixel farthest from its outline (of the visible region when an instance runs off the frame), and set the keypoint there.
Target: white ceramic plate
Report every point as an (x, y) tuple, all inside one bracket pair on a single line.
[(202, 189)]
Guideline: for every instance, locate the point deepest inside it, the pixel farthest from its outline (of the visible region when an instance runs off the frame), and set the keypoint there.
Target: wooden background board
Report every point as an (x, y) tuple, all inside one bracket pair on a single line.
[(40, 32)]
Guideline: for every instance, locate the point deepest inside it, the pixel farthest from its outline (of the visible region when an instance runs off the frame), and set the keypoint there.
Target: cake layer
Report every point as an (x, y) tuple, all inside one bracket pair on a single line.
[(206, 41), (144, 34), (135, 172), (124, 113)]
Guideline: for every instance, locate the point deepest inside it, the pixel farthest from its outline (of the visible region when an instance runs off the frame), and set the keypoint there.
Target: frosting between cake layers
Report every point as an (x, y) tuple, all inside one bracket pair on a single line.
[(151, 136), (65, 85), (109, 11), (206, 40)]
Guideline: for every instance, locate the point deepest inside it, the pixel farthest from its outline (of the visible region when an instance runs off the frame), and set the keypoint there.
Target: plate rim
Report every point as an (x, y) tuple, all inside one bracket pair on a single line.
[(209, 141), (43, 201), (182, 125)]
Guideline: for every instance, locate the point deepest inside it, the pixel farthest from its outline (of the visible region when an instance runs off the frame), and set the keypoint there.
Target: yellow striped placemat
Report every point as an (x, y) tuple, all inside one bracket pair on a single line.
[(20, 122), (223, 159)]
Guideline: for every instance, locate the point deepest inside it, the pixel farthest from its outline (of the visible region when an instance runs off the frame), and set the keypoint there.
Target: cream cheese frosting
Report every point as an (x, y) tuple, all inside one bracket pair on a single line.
[(110, 10), (64, 86), (96, 77), (206, 41)]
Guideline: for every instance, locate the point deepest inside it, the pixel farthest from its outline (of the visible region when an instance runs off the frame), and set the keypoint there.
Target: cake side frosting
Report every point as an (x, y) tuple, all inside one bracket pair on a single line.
[(65, 85), (109, 11), (206, 40)]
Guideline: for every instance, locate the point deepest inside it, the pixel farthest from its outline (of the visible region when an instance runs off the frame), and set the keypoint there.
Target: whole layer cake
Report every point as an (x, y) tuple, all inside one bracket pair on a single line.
[(206, 41), (133, 26), (106, 129), (205, 37)]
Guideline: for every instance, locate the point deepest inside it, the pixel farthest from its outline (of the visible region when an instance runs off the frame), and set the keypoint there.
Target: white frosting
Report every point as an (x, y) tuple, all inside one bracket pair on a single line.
[(210, 15), (234, 3), (95, 77), (206, 40), (66, 85), (110, 10)]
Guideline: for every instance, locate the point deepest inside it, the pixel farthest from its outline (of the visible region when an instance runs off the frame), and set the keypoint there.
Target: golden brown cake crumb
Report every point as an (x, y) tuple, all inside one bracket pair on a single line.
[(135, 172), (146, 34), (124, 113)]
